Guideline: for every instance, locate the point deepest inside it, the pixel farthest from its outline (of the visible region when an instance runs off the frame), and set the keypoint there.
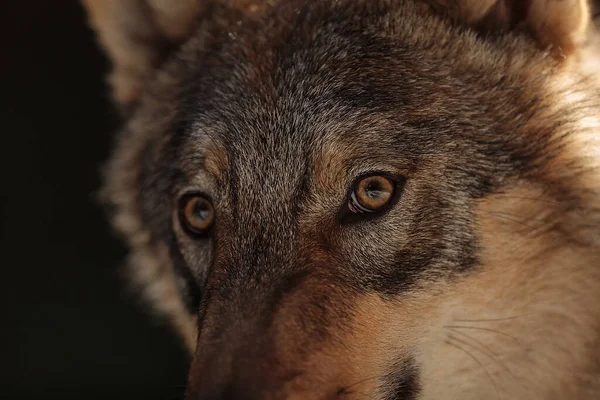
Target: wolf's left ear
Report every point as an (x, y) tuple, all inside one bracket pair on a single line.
[(137, 35), (556, 24)]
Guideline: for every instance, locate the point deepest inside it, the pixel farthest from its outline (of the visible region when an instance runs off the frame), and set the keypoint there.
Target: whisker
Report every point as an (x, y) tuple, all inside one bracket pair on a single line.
[(515, 219), (345, 389), (482, 329), (492, 319), (554, 203), (491, 354), (478, 363), (482, 349), (482, 345)]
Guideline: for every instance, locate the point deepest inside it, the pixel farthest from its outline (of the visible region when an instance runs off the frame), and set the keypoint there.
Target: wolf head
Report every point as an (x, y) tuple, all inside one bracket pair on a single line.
[(363, 199)]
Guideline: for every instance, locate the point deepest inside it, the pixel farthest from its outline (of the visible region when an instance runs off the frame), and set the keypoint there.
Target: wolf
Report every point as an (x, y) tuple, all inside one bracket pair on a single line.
[(363, 199)]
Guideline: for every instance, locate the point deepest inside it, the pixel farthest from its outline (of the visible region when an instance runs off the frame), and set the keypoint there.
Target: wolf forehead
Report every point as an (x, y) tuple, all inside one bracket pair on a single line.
[(319, 96)]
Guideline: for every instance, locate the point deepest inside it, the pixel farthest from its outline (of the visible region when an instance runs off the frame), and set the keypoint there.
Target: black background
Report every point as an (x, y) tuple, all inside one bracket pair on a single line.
[(69, 329)]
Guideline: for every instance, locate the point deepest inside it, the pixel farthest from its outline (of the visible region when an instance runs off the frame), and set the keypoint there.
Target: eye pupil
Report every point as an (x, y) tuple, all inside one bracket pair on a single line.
[(372, 186), (374, 192), (201, 210)]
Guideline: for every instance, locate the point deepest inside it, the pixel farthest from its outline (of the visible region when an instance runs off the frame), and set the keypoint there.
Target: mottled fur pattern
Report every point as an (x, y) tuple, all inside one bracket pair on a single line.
[(482, 281)]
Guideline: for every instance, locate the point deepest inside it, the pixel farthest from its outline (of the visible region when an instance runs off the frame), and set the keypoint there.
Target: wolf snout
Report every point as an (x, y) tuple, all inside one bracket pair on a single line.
[(272, 342)]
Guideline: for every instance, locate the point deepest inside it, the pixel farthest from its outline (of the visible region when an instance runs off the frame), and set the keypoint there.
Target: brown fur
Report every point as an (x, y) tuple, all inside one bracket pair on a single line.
[(481, 282), (136, 34), (555, 23)]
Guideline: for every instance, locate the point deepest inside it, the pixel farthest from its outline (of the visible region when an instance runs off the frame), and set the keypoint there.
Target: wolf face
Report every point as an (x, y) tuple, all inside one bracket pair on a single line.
[(351, 199)]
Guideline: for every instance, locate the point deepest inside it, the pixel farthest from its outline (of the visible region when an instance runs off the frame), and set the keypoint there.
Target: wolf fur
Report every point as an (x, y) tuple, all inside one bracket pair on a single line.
[(481, 282)]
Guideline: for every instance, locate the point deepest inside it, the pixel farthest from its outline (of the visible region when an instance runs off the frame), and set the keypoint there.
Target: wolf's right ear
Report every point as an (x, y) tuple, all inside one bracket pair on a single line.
[(137, 35), (556, 24)]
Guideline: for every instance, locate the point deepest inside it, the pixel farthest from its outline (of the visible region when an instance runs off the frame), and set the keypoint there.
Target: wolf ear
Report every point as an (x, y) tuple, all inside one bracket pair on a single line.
[(137, 35), (556, 24)]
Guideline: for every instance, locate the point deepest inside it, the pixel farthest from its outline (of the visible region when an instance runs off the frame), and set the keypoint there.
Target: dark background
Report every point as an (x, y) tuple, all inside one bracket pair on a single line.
[(69, 329)]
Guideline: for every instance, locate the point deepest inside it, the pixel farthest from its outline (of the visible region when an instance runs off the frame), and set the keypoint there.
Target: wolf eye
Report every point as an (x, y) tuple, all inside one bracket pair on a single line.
[(196, 214), (371, 194)]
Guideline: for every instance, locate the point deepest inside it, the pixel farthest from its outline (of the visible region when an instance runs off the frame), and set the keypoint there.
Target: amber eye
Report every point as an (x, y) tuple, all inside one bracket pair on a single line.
[(196, 213), (371, 194)]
